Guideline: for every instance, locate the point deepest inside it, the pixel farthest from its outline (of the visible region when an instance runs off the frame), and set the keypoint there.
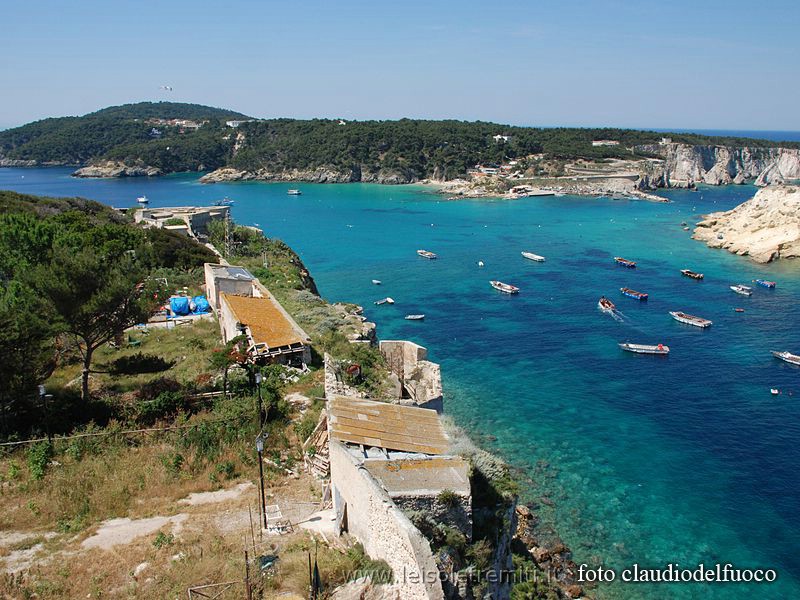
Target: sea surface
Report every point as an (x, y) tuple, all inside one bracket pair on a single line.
[(652, 460)]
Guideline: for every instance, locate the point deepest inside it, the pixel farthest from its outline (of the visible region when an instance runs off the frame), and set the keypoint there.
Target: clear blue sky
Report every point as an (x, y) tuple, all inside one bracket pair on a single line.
[(638, 63)]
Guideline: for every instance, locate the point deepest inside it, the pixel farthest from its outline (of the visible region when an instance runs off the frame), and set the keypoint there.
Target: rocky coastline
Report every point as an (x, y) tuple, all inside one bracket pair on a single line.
[(113, 168), (356, 174), (764, 228)]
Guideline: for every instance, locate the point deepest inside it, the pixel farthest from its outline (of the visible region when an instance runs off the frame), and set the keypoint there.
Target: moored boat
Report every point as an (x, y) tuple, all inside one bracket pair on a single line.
[(633, 293), (386, 300), (645, 348), (765, 283), (224, 202), (606, 305), (690, 319), (742, 289), (787, 357), (426, 254), (624, 262), (506, 288), (532, 256), (414, 317), (143, 200), (691, 274), (376, 281), (294, 193)]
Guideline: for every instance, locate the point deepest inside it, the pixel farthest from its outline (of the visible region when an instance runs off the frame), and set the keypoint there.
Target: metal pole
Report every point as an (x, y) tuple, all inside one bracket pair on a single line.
[(261, 477)]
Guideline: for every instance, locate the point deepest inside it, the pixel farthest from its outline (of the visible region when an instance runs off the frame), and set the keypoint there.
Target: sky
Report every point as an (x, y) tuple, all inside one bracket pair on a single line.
[(701, 64)]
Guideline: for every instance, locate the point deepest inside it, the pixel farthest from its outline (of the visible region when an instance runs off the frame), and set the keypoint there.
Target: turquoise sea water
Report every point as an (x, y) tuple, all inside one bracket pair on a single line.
[(648, 460)]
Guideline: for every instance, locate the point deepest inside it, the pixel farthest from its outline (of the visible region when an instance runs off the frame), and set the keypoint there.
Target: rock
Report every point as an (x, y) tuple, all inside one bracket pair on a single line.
[(574, 591), (765, 228), (140, 569), (110, 168), (316, 175)]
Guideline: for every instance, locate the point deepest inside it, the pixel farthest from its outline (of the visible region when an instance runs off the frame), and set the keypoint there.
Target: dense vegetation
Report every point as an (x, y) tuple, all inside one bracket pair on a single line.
[(410, 148)]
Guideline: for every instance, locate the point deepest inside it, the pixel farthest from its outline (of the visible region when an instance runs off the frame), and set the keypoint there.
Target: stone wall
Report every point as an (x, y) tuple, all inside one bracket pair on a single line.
[(385, 532), (457, 515), (421, 379)]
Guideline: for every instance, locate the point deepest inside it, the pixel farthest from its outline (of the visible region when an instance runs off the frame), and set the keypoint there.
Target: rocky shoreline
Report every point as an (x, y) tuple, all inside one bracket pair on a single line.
[(764, 228)]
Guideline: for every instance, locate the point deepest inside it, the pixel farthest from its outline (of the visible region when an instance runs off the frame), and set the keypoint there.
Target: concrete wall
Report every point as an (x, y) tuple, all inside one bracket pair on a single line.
[(227, 322), (215, 285), (383, 529)]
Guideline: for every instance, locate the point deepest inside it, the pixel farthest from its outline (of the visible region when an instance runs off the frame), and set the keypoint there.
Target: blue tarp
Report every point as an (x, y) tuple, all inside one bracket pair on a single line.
[(179, 305), (200, 304)]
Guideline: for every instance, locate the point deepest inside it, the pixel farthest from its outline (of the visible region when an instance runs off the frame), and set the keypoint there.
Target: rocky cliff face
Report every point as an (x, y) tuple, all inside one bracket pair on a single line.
[(317, 175), (112, 168), (764, 228), (684, 165)]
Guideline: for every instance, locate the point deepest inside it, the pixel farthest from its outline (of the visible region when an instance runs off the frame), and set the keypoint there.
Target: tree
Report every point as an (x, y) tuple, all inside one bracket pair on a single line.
[(94, 297)]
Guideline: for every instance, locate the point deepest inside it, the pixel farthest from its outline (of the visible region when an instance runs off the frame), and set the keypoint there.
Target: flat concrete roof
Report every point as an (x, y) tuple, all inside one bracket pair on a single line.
[(266, 322), (420, 477), (389, 426), (232, 272)]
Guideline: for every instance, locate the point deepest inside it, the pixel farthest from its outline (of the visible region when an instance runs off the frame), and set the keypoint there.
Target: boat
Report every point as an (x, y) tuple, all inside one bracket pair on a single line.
[(742, 289), (645, 349), (606, 305), (142, 200), (787, 357), (691, 274), (386, 300), (739, 310), (480, 263), (376, 281), (532, 256), (633, 293), (690, 319), (506, 288), (774, 391), (684, 223), (414, 317), (426, 254), (765, 283), (625, 262), (294, 193), (224, 202), (686, 229)]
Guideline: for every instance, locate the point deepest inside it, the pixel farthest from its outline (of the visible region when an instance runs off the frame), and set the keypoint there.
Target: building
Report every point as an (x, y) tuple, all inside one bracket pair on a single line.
[(419, 380), (245, 307), (502, 139), (665, 140), (195, 218), (387, 462), (605, 143), (235, 124)]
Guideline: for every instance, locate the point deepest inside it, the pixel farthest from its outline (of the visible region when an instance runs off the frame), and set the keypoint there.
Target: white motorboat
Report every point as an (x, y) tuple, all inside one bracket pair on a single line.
[(532, 256), (415, 317), (294, 193), (645, 348), (376, 281), (426, 254), (788, 357), (690, 319), (386, 300), (143, 200), (506, 288), (742, 289)]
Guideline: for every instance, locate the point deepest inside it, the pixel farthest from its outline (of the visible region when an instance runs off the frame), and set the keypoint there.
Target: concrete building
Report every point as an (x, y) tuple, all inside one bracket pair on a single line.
[(605, 143), (227, 279), (388, 461), (195, 218), (419, 380)]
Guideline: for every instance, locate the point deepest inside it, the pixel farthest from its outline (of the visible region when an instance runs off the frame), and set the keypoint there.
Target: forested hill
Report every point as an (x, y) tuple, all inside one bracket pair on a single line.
[(172, 137)]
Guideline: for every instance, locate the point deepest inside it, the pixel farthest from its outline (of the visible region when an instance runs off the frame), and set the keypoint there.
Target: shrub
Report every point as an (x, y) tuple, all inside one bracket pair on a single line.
[(140, 363), (225, 469), (166, 404), (448, 498), (38, 458), (152, 389), (163, 539)]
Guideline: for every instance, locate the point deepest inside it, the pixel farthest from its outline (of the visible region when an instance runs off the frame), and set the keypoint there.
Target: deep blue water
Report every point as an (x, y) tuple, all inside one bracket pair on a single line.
[(768, 134), (650, 460)]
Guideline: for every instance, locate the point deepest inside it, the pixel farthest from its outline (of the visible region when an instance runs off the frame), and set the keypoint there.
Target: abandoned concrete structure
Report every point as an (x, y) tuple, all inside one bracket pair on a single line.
[(245, 307), (387, 460), (419, 380), (195, 218)]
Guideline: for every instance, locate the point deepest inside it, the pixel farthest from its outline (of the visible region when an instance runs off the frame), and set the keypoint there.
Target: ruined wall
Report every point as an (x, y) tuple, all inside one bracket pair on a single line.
[(333, 385), (457, 515), (382, 528), (421, 379)]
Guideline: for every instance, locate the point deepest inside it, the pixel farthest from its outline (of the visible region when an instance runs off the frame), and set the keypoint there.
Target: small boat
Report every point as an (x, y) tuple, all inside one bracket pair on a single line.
[(633, 293), (740, 310), (691, 274), (690, 319), (506, 288), (788, 357), (624, 262), (606, 305), (142, 200), (426, 254), (386, 300), (480, 263), (684, 223), (414, 317), (765, 283), (224, 202), (294, 193), (376, 281), (645, 349), (774, 391), (742, 289), (686, 229), (532, 256)]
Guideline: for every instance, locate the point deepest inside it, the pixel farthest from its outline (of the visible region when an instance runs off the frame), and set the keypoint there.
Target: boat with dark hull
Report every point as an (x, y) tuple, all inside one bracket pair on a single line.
[(633, 293), (765, 283), (692, 274)]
